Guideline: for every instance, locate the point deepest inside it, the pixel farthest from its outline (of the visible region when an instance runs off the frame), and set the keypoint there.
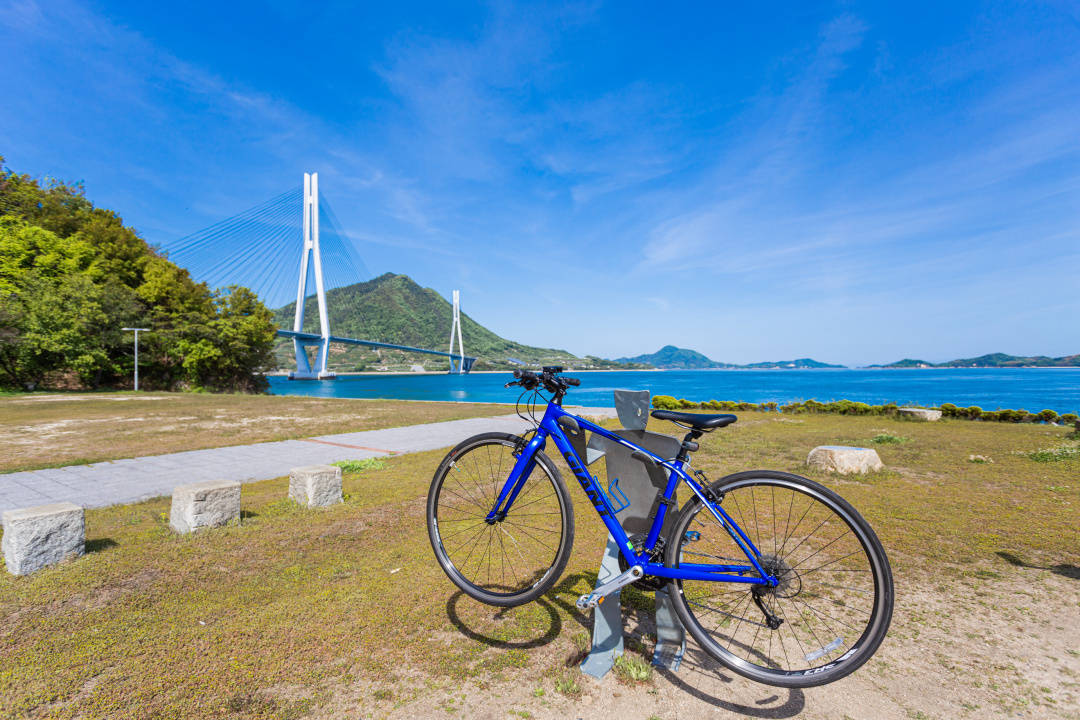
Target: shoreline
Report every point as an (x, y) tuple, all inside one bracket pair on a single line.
[(405, 373)]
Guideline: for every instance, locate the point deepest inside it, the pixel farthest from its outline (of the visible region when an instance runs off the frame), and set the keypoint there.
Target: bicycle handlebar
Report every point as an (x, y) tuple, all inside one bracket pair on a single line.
[(548, 377)]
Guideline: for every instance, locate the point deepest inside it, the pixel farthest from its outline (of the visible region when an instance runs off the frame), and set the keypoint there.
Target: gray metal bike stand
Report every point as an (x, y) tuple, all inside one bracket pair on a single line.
[(607, 639), (607, 635), (670, 634)]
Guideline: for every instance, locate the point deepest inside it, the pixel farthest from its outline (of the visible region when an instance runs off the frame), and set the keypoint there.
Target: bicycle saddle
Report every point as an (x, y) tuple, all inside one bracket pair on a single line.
[(698, 421)]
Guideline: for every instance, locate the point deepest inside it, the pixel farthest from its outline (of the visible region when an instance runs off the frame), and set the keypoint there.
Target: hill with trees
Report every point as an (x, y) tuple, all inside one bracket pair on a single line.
[(392, 308), (670, 357), (992, 360), (72, 275)]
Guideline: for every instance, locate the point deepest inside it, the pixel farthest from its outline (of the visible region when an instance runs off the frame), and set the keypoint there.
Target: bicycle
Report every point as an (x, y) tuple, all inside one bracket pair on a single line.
[(796, 604)]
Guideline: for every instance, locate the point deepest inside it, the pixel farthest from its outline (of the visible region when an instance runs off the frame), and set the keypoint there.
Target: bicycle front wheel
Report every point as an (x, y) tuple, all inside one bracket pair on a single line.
[(835, 595), (513, 560)]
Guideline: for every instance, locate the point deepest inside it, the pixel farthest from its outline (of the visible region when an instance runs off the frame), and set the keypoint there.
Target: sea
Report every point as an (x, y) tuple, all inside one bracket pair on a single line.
[(1031, 389)]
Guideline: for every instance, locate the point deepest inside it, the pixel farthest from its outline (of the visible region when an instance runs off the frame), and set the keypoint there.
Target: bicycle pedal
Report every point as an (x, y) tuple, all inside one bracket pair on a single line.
[(587, 602)]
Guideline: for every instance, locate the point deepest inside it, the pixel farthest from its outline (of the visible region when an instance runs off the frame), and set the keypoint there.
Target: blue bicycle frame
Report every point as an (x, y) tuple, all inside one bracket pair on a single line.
[(549, 427)]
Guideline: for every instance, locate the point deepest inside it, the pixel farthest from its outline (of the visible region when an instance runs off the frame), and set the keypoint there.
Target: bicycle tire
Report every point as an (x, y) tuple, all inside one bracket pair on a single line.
[(461, 510), (796, 586)]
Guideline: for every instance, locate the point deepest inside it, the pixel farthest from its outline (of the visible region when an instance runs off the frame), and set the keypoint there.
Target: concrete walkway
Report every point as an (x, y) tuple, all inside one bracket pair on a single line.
[(134, 479)]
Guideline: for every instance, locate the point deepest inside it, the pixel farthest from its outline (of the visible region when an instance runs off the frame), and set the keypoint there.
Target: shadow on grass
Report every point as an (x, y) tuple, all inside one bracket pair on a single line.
[(552, 632), (248, 514), (1063, 569), (99, 544), (547, 602)]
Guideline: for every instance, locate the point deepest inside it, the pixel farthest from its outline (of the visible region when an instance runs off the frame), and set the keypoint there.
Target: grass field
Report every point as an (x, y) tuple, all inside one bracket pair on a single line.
[(51, 429), (343, 612)]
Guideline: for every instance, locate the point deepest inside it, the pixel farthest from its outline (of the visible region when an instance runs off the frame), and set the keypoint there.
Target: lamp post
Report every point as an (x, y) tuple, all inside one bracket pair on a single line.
[(137, 331)]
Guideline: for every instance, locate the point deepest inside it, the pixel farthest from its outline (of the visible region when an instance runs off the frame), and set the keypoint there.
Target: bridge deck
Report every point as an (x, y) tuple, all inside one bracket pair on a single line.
[(314, 338)]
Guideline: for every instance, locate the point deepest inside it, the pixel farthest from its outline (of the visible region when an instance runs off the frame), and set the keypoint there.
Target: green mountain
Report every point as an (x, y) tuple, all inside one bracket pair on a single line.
[(993, 360), (905, 363), (670, 357), (1003, 360), (394, 309), (800, 364)]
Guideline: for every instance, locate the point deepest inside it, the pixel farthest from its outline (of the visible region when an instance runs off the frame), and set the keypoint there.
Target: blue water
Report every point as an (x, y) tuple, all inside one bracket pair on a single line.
[(991, 389)]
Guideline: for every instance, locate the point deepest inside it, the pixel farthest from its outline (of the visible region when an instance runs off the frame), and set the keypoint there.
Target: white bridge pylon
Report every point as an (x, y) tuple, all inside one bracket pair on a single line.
[(313, 254), (455, 327)]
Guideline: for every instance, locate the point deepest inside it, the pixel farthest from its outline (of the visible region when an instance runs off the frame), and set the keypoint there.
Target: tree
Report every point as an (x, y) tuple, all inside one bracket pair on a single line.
[(72, 275)]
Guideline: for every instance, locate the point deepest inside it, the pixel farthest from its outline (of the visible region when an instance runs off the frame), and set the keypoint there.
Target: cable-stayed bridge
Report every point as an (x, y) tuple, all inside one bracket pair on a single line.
[(292, 247)]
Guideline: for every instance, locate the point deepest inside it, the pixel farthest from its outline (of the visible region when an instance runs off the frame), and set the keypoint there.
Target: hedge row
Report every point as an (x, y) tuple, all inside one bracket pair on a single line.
[(850, 407)]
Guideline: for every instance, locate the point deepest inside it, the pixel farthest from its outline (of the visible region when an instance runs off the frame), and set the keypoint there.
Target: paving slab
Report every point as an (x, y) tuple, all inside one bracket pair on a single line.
[(133, 479)]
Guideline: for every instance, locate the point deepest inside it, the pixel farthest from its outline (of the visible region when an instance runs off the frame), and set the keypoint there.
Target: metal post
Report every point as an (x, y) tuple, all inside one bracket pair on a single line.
[(607, 638), (137, 331)]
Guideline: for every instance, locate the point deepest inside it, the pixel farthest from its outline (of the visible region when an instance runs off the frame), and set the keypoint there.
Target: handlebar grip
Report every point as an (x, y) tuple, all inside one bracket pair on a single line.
[(571, 381)]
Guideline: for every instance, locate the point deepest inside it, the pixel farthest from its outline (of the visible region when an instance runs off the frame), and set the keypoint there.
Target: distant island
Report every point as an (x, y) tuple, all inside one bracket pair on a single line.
[(670, 357), (993, 360)]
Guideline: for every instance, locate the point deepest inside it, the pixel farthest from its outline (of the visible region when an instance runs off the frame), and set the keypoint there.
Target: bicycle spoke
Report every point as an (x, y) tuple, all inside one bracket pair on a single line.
[(510, 555), (810, 602)]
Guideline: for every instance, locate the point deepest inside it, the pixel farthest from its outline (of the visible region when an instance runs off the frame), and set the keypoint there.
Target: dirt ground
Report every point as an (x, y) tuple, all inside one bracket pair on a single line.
[(1003, 647)]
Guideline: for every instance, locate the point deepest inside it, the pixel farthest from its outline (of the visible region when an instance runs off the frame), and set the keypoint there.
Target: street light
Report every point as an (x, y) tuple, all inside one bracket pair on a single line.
[(137, 331)]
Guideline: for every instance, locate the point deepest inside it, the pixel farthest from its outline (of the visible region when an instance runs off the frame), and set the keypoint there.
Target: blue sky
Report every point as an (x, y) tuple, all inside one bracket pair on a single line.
[(855, 183)]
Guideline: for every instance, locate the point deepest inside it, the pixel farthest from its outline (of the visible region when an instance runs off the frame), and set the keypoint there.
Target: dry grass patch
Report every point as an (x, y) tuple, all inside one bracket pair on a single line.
[(40, 430), (297, 613)]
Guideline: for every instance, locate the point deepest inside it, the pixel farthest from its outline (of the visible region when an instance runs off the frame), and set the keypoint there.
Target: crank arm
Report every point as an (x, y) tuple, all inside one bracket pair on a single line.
[(586, 602)]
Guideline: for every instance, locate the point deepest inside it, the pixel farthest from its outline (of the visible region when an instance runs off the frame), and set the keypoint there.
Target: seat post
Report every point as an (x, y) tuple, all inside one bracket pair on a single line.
[(688, 445)]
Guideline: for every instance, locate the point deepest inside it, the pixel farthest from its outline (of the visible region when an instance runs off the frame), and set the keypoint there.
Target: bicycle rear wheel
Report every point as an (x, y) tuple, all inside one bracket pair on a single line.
[(835, 596), (511, 561)]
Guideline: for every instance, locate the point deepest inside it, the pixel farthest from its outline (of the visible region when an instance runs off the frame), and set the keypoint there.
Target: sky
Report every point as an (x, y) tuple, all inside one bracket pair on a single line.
[(851, 182)]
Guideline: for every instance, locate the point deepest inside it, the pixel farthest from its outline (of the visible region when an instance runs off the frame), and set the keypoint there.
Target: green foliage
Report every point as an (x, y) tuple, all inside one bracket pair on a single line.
[(355, 466), (1055, 454), (567, 684), (72, 275), (665, 402), (1047, 416), (850, 407), (632, 669), (887, 439)]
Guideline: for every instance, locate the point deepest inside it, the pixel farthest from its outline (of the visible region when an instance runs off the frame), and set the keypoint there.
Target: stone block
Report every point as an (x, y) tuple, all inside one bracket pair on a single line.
[(36, 537), (920, 414), (204, 504), (315, 485), (844, 460)]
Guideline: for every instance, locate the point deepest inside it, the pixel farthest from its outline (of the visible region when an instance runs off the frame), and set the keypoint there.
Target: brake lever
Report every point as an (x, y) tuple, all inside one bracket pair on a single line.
[(512, 383)]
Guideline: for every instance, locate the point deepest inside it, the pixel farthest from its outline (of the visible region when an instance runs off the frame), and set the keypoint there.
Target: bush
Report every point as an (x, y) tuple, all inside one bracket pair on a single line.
[(1047, 416), (687, 404), (974, 412), (1070, 419), (665, 402), (950, 410), (887, 439)]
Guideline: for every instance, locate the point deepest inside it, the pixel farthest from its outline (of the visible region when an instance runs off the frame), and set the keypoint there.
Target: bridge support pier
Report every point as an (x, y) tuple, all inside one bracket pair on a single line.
[(304, 371)]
